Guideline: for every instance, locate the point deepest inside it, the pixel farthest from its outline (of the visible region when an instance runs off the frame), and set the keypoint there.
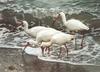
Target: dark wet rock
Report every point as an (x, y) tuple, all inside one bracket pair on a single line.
[(36, 65), (8, 19), (48, 21), (33, 21), (20, 15), (11, 60), (11, 67), (8, 13)]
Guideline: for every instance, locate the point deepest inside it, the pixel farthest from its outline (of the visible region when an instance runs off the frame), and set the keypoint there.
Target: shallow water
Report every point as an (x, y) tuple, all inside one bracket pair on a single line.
[(40, 12)]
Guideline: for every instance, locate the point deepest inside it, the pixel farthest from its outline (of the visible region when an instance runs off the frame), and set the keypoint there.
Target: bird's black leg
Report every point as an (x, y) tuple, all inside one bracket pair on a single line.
[(76, 43), (48, 50), (26, 46), (82, 41), (66, 49), (60, 52), (74, 33), (42, 48)]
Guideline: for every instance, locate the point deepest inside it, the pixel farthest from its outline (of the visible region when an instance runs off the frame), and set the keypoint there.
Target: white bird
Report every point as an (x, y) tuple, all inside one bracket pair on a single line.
[(45, 36), (60, 39), (35, 30), (32, 31), (29, 43), (72, 24)]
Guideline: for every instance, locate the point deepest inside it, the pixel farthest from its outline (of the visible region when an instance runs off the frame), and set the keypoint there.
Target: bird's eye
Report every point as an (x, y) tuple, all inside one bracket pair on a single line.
[(72, 39), (28, 43), (58, 14)]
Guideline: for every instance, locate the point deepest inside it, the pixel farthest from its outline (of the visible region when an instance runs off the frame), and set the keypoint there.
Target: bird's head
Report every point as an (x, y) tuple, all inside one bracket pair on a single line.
[(59, 16), (71, 37), (24, 23)]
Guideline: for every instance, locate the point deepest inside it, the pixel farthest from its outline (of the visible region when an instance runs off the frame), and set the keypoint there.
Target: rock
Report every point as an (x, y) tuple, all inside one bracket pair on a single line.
[(9, 20), (11, 67), (33, 21)]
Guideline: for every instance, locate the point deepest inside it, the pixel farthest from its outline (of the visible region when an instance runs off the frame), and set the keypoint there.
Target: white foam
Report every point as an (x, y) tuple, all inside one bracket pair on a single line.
[(33, 51), (61, 61)]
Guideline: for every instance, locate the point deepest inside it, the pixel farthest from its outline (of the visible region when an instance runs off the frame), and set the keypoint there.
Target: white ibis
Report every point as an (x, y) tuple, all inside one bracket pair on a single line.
[(31, 43), (32, 31), (35, 30), (60, 39), (45, 36), (72, 24)]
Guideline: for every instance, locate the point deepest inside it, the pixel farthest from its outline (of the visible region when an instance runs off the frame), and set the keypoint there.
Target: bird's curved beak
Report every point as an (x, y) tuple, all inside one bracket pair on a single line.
[(55, 18), (20, 25), (28, 44)]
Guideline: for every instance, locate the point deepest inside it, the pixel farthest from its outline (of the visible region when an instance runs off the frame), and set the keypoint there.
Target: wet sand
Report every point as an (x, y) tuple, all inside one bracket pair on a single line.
[(12, 60)]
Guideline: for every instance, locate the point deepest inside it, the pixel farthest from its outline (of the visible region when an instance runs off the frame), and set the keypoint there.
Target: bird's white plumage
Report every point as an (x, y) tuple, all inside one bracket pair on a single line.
[(62, 38), (73, 24), (59, 39), (46, 35), (34, 30)]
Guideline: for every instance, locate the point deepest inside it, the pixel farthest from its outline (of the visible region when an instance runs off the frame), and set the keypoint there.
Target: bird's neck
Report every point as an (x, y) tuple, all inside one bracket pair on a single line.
[(64, 19), (26, 28)]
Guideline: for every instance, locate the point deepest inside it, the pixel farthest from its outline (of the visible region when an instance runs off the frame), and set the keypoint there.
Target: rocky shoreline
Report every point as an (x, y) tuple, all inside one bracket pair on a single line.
[(11, 60)]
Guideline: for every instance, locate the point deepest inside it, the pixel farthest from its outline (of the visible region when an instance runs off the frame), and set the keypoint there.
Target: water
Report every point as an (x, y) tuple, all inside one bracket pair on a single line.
[(88, 11), (47, 6)]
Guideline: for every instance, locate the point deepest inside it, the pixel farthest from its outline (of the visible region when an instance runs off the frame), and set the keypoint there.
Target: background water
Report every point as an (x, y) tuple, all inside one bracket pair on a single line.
[(69, 6), (40, 12)]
